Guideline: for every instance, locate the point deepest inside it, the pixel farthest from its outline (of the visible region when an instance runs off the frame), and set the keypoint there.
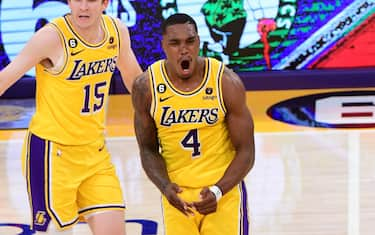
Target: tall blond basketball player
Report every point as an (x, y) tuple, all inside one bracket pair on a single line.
[(67, 166), (195, 136)]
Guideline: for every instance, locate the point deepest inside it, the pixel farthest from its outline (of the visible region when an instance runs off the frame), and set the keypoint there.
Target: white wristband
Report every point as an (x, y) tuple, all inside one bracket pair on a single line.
[(216, 191)]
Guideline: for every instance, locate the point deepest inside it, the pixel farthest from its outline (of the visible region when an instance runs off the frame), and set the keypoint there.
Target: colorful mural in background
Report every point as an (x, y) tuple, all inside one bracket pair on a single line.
[(248, 35)]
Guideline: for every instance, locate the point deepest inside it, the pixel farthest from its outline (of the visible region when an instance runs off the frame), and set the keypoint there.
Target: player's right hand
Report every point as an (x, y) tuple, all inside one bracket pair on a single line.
[(171, 192)]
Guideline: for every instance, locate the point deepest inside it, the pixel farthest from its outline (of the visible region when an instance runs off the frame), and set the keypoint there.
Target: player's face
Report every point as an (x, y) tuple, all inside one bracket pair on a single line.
[(86, 13), (181, 46)]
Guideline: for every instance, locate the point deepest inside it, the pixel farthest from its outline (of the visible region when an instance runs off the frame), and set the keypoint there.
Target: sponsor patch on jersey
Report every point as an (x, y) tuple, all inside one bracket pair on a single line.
[(112, 46)]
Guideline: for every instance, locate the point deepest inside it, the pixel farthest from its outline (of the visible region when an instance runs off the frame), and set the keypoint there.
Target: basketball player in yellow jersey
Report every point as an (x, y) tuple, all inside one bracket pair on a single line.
[(67, 166), (195, 135)]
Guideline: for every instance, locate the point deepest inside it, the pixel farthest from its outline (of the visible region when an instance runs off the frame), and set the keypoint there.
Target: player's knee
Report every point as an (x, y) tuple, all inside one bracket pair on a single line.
[(107, 222)]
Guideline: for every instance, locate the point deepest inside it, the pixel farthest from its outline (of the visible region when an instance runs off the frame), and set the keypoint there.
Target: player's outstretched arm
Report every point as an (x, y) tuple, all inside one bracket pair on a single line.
[(40, 47)]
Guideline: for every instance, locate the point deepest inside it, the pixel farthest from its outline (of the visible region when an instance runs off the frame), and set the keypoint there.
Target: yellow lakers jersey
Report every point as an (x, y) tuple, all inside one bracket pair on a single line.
[(71, 103), (191, 126)]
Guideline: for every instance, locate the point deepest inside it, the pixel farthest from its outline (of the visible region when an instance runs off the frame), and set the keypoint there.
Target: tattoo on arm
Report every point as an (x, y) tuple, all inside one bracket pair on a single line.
[(146, 133)]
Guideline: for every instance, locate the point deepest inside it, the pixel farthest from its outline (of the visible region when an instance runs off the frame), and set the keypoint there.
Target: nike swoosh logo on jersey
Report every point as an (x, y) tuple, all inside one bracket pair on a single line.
[(165, 98), (73, 53)]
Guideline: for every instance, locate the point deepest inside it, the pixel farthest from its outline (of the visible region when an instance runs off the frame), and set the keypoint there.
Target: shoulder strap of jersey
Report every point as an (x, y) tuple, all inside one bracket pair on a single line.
[(155, 76), (112, 27), (217, 68)]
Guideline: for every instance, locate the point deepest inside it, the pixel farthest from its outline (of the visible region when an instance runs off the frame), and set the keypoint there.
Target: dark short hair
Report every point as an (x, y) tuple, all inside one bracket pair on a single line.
[(178, 18)]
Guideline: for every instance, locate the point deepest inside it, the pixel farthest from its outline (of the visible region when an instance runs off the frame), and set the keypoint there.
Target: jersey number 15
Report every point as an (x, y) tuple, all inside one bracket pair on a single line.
[(98, 98)]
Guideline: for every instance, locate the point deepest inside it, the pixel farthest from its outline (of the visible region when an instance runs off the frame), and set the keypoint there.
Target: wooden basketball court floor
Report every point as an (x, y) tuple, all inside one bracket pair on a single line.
[(306, 181)]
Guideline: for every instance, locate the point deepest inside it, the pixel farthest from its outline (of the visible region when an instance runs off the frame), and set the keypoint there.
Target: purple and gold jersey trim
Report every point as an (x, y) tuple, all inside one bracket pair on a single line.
[(244, 223), (38, 184)]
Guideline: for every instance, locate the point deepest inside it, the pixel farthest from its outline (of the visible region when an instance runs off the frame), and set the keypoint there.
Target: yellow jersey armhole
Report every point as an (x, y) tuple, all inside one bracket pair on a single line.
[(220, 87), (116, 27), (153, 93), (65, 51)]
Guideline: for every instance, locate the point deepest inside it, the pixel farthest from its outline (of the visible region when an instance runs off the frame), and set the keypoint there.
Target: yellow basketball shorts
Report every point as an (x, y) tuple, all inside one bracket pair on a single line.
[(230, 218), (65, 183)]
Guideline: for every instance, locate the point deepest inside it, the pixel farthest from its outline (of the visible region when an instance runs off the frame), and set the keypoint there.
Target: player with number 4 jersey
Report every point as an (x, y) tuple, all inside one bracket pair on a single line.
[(195, 135)]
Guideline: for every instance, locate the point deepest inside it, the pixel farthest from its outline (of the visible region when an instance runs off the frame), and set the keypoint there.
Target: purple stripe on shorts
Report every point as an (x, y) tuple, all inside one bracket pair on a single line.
[(37, 178), (245, 217)]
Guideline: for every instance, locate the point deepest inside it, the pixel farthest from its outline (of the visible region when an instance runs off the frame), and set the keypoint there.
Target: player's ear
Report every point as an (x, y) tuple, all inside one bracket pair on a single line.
[(105, 3)]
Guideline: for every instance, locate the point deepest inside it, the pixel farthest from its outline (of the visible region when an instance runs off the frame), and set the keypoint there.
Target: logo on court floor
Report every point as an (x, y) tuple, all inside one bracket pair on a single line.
[(10, 113), (346, 109), (147, 226)]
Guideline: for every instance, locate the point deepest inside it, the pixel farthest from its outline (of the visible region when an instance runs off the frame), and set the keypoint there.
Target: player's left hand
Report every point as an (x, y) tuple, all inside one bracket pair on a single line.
[(207, 204), (171, 193)]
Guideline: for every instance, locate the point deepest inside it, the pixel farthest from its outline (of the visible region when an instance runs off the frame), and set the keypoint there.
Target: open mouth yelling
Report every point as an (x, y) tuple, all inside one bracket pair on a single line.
[(185, 66)]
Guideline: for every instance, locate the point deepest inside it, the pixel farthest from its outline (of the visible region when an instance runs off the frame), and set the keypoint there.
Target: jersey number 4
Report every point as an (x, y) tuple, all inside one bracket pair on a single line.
[(98, 95), (191, 141)]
